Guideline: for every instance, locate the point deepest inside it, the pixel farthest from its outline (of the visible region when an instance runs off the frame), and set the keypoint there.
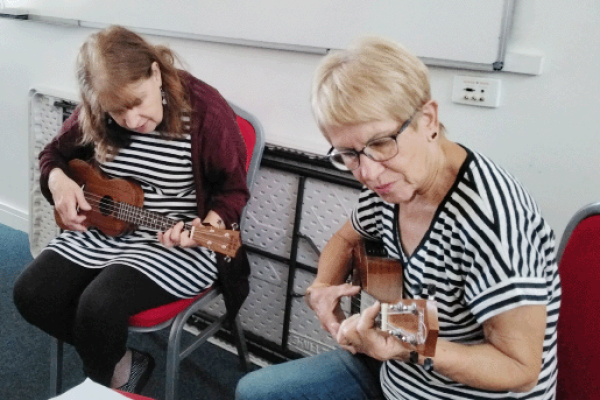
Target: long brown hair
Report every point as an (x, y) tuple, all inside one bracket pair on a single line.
[(108, 61)]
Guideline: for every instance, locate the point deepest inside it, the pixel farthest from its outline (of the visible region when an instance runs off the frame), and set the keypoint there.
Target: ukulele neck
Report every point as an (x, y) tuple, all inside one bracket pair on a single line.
[(141, 217)]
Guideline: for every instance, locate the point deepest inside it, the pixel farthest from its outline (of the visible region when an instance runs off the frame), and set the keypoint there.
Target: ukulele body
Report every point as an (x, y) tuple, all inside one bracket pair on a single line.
[(109, 192), (379, 276)]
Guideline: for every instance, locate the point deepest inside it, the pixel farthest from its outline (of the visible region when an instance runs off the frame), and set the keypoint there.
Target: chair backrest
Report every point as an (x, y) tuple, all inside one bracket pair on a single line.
[(579, 320), (254, 137)]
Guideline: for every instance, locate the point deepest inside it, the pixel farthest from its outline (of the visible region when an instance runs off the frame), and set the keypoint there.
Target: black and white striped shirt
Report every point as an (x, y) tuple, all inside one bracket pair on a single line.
[(487, 251), (163, 168)]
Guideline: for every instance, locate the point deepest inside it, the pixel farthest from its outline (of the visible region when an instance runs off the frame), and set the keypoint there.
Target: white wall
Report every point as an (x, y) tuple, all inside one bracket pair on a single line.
[(545, 132)]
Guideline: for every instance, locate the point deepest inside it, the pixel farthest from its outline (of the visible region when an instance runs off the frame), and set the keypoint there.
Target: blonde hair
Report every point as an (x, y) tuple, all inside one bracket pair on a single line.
[(108, 61), (373, 80)]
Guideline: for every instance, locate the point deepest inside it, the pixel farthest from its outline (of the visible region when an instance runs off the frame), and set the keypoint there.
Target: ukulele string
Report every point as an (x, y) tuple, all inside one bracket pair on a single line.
[(154, 221), (158, 223), (130, 213)]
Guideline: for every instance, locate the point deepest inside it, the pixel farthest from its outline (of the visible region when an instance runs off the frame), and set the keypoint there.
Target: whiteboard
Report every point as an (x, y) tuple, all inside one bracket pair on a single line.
[(463, 31)]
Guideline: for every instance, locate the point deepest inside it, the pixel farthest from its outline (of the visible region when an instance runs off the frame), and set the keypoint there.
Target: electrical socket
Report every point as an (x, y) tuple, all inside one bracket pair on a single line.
[(476, 91)]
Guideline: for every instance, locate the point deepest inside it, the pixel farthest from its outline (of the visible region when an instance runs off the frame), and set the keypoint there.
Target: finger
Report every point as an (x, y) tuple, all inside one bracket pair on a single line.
[(78, 223), (332, 327), (185, 240), (79, 227), (329, 322), (347, 290), (67, 208), (175, 233), (347, 331), (197, 222), (164, 238), (367, 318), (160, 236), (82, 202), (348, 339), (349, 348)]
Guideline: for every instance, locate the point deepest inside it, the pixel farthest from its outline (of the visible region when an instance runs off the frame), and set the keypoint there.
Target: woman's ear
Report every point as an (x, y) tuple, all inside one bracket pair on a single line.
[(430, 114), (156, 73), (429, 121)]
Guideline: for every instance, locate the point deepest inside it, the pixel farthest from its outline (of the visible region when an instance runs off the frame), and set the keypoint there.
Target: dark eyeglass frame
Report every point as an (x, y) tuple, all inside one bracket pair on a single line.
[(333, 151)]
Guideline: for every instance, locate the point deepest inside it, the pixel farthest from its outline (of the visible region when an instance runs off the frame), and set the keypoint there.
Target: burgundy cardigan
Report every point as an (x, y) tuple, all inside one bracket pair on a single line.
[(218, 162)]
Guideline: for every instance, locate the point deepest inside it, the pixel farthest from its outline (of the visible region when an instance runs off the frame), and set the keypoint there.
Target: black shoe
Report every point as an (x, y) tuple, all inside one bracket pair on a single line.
[(142, 365)]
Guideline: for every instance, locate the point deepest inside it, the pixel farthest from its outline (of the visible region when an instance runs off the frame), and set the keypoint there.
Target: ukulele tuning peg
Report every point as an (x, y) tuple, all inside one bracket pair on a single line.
[(227, 259), (417, 289), (414, 357), (431, 291), (410, 339)]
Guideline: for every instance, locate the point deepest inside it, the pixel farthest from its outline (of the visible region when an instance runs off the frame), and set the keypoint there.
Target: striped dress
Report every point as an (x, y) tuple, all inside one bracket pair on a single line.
[(487, 251), (163, 168)]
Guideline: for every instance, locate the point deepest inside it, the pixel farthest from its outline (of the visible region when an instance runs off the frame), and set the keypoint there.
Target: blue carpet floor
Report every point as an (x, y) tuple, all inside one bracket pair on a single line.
[(209, 373)]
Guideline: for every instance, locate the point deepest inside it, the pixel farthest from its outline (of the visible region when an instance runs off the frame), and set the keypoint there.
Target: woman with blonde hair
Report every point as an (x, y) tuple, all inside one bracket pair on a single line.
[(143, 119), (465, 231)]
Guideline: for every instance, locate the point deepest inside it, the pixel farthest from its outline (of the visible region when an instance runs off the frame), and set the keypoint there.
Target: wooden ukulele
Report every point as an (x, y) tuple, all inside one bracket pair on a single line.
[(117, 208), (414, 321)]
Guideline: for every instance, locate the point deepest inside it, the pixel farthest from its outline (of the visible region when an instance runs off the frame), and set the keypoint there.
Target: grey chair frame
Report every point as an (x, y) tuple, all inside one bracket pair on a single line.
[(581, 214)]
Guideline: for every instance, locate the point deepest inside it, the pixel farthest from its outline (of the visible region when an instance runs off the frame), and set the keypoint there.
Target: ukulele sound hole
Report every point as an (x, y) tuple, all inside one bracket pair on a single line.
[(106, 205)]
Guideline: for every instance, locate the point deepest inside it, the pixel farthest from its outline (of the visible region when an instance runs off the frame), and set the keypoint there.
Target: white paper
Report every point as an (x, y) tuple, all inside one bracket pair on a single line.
[(90, 390)]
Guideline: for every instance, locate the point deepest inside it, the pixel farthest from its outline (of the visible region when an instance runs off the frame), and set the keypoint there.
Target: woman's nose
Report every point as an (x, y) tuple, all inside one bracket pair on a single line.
[(368, 169), (132, 118)]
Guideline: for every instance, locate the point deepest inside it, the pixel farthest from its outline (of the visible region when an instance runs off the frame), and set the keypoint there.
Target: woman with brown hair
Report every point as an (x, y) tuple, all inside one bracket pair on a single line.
[(142, 119)]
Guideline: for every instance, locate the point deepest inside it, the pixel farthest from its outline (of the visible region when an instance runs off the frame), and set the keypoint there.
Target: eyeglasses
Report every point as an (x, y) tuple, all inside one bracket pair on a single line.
[(379, 150)]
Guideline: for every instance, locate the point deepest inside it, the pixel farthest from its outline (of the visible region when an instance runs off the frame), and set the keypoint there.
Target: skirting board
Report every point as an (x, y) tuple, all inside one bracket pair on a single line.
[(14, 218)]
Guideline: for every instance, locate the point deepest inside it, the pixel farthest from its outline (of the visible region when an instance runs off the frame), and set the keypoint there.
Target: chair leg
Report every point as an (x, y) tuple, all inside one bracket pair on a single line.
[(173, 358), (240, 342), (56, 366)]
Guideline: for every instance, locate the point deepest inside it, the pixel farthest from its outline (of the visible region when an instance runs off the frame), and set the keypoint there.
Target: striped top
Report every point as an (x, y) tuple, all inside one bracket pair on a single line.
[(487, 251), (163, 168)]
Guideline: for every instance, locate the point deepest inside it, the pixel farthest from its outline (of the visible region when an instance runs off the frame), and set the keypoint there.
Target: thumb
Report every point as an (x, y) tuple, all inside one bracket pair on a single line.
[(82, 202), (332, 326), (367, 318), (371, 312)]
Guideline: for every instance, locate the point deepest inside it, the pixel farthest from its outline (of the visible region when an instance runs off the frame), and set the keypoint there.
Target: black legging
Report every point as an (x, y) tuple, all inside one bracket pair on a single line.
[(86, 307)]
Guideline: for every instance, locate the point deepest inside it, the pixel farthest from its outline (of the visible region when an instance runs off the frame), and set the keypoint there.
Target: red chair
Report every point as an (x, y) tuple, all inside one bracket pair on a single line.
[(579, 320), (177, 313)]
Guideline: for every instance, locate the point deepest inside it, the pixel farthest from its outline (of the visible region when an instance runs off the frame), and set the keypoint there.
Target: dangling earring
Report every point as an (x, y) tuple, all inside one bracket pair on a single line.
[(164, 98)]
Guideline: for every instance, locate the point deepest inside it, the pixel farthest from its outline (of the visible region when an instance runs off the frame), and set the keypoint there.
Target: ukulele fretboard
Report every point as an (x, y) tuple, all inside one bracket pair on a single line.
[(132, 214)]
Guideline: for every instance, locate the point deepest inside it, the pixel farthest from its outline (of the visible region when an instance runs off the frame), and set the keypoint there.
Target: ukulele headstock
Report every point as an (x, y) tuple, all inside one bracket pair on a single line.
[(413, 321), (223, 241)]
